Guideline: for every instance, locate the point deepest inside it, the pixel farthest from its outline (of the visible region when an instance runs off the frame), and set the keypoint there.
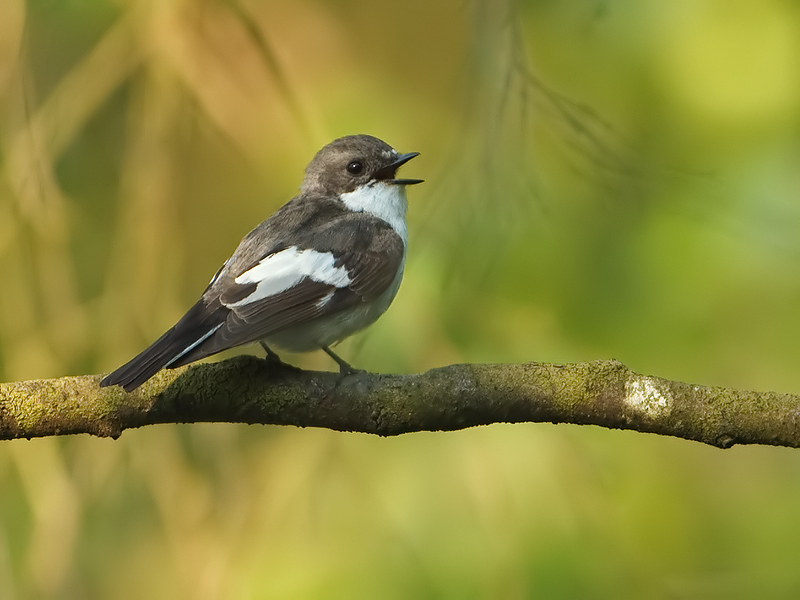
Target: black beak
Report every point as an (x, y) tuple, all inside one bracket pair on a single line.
[(386, 174)]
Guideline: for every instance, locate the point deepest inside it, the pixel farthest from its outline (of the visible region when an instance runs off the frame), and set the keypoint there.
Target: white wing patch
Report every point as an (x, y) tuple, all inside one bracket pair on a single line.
[(280, 271)]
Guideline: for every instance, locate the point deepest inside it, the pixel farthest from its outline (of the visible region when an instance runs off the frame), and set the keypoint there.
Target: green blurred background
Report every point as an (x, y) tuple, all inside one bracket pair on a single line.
[(605, 178)]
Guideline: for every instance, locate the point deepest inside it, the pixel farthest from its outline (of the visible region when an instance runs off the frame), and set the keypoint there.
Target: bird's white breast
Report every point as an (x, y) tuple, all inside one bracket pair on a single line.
[(383, 200)]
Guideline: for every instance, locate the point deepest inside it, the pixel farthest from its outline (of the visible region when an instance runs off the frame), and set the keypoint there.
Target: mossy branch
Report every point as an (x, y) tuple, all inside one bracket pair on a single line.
[(247, 389)]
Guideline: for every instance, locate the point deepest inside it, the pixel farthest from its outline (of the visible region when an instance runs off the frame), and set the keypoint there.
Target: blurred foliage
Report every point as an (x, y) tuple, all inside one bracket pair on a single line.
[(605, 178)]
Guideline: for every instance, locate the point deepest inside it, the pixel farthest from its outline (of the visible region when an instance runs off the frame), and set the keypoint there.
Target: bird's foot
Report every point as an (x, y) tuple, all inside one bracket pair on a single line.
[(272, 359), (345, 368)]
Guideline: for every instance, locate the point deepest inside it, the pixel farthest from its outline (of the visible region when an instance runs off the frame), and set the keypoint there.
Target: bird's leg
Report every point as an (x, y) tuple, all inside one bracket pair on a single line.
[(344, 366), (271, 356)]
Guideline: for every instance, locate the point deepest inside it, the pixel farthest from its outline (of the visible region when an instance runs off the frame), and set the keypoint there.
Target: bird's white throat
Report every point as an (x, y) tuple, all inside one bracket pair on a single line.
[(384, 200)]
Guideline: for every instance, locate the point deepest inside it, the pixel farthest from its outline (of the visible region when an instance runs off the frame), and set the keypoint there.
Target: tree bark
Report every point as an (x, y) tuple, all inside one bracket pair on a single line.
[(246, 389)]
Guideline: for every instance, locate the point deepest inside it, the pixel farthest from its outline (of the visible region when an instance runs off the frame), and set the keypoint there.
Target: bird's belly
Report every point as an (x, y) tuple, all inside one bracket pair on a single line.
[(330, 329)]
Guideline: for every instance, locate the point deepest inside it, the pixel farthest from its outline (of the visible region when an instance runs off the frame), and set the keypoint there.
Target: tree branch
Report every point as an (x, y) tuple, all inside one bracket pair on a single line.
[(246, 389)]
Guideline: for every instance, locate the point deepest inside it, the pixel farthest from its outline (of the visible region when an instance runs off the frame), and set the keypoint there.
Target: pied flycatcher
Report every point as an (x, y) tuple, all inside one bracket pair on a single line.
[(327, 264)]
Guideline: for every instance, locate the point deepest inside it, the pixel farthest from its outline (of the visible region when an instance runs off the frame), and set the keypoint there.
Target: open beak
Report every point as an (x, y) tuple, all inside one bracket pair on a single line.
[(387, 173)]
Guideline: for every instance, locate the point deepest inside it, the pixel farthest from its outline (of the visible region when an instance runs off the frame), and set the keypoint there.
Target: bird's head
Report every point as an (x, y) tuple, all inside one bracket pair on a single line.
[(353, 161)]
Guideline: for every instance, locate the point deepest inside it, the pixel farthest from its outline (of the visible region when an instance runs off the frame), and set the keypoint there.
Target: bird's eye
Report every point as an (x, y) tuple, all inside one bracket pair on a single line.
[(354, 167)]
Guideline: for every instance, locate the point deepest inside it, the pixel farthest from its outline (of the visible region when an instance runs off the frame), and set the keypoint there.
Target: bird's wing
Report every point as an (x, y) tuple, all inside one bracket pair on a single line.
[(294, 286)]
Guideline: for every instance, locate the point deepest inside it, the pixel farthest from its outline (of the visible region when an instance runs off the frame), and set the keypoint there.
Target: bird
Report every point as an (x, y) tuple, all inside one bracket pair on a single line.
[(325, 265)]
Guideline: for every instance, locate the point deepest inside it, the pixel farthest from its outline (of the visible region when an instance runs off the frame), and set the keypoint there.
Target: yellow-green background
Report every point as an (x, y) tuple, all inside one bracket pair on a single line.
[(605, 178)]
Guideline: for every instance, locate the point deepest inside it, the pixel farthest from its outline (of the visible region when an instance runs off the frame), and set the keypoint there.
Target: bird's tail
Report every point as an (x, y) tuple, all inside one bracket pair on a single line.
[(196, 326)]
